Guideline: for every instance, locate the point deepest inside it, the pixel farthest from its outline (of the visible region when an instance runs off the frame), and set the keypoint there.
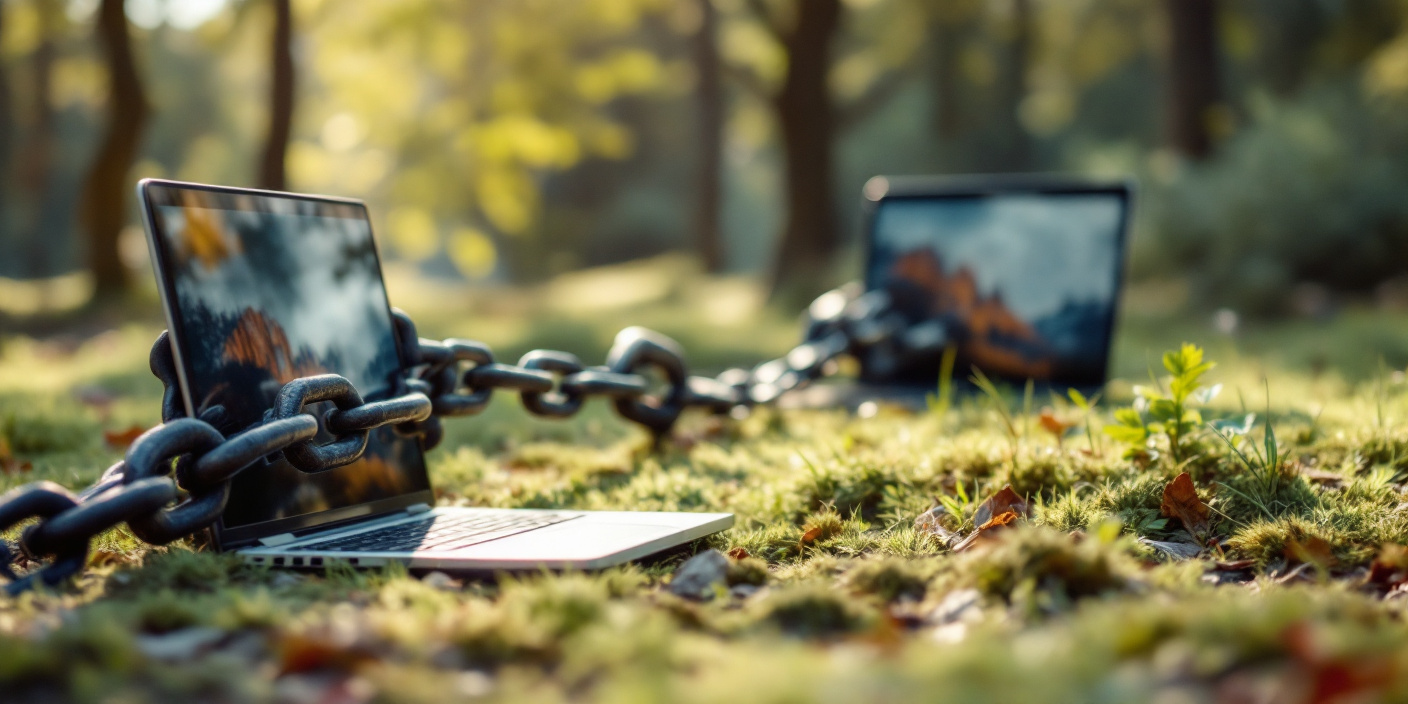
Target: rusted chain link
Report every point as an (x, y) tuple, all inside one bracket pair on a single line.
[(175, 478)]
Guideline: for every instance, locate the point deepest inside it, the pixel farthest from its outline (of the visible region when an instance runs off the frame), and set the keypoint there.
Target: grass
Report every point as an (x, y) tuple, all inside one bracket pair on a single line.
[(831, 594)]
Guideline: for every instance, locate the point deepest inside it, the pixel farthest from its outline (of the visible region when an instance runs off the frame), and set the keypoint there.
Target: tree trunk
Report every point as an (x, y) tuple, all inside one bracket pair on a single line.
[(105, 191), (807, 120), (271, 167), (7, 129), (1015, 152), (1193, 85), (36, 158), (947, 117), (708, 234)]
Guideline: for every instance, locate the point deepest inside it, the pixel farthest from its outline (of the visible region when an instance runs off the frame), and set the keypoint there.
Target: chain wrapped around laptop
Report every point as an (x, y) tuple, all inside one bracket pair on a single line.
[(175, 478)]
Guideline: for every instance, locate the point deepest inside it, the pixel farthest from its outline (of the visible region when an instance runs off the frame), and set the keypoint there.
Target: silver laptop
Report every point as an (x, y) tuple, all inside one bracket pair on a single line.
[(260, 288)]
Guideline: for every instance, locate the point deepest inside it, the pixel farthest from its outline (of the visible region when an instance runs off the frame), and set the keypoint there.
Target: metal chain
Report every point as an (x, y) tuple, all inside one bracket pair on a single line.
[(175, 478)]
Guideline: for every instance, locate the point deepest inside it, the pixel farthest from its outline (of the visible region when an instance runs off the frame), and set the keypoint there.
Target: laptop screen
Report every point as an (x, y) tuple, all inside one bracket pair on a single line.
[(264, 289), (1025, 281)]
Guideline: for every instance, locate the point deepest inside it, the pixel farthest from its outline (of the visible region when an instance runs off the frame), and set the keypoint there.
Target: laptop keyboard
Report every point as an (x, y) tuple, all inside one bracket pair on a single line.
[(448, 532)]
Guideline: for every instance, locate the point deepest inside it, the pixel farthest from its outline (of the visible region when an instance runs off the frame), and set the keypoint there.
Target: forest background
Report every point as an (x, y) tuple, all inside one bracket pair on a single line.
[(512, 140)]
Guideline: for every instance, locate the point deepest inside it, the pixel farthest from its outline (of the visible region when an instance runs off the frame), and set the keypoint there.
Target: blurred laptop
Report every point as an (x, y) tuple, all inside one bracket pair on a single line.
[(1023, 272)]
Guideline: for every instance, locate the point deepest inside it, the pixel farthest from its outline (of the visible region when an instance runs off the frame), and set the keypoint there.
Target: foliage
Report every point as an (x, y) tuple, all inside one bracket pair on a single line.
[(1167, 412)]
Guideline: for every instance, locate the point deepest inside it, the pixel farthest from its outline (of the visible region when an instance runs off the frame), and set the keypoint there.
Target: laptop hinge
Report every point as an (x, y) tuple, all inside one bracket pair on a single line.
[(417, 508), (274, 541)]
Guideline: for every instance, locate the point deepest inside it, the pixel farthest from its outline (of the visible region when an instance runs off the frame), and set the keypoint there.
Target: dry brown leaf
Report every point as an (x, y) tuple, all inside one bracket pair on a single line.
[(738, 553), (1390, 568), (986, 530), (1000, 503), (298, 653), (121, 439), (1313, 550), (811, 535), (1051, 424), (1181, 501)]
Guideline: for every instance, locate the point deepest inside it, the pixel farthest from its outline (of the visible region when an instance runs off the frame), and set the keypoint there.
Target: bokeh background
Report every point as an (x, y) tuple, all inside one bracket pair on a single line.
[(505, 144)]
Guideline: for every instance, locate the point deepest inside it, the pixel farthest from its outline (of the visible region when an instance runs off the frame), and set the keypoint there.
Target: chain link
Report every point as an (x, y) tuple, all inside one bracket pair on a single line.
[(175, 479)]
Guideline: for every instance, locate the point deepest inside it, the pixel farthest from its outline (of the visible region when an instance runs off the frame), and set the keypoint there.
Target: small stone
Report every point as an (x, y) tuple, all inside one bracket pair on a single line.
[(743, 591), (695, 579), (285, 579), (440, 580), (963, 605), (1177, 551), (179, 646)]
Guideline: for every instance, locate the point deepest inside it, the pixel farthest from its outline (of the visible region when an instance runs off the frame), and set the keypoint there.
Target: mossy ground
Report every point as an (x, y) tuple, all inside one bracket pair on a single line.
[(1067, 608)]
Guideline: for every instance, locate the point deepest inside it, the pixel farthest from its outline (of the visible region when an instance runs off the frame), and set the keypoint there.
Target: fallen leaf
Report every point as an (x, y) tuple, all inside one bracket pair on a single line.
[(999, 503), (1181, 501), (738, 553), (121, 439), (811, 535), (1051, 424), (1390, 569), (298, 653), (1334, 677), (1313, 550), (984, 531)]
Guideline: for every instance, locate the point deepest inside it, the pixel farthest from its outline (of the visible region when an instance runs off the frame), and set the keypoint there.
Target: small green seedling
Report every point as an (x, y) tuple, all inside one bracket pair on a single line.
[(1169, 413)]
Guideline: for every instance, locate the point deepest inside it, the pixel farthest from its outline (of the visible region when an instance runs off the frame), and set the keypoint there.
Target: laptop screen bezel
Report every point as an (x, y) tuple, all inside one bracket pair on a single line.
[(229, 538), (882, 189)]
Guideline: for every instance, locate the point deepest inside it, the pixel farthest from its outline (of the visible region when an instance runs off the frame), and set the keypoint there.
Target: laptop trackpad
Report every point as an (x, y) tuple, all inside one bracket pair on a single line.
[(580, 539)]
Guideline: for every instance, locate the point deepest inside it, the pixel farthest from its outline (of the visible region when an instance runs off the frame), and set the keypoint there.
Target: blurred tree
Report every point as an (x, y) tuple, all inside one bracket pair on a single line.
[(708, 207), (103, 209), (34, 160), (819, 93), (472, 104), (281, 97), (810, 235), (7, 123), (1193, 84), (1015, 150), (1289, 31)]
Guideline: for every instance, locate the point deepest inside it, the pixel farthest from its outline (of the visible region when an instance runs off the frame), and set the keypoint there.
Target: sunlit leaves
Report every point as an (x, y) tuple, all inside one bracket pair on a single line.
[(473, 252), (412, 233), (477, 101)]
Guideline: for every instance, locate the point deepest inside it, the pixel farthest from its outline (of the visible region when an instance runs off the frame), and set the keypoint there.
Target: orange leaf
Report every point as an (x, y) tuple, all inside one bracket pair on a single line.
[(1313, 550), (811, 535), (1181, 501), (299, 653), (1051, 424), (121, 439), (738, 553), (999, 503), (1390, 568), (986, 530)]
